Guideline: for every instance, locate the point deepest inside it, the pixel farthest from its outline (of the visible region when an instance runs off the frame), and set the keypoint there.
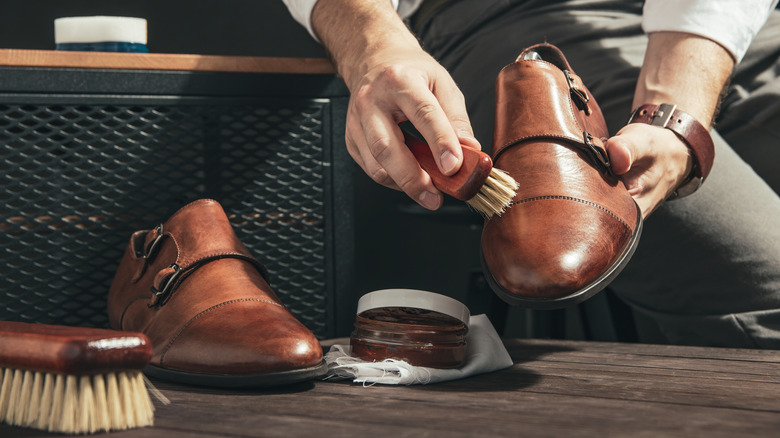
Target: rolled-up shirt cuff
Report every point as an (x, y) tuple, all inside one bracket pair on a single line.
[(301, 12), (731, 23)]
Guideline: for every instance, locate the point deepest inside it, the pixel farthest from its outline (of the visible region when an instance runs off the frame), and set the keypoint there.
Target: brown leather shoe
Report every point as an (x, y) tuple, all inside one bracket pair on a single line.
[(203, 301), (572, 226)]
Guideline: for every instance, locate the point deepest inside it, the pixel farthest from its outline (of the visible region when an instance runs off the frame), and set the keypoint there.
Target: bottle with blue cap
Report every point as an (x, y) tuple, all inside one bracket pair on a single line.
[(101, 34)]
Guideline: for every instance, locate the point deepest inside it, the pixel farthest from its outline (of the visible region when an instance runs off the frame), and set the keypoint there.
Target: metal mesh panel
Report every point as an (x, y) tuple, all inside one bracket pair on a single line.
[(77, 180)]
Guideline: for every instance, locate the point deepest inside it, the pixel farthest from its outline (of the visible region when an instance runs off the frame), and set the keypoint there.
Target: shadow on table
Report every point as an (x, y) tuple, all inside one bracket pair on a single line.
[(513, 378), (281, 389), (510, 379)]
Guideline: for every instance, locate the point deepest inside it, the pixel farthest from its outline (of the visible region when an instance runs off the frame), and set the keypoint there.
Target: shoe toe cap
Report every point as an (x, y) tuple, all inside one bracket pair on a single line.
[(552, 248), (243, 337)]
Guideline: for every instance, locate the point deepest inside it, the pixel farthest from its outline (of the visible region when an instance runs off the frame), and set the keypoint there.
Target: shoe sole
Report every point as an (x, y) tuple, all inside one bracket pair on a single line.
[(575, 297), (265, 380)]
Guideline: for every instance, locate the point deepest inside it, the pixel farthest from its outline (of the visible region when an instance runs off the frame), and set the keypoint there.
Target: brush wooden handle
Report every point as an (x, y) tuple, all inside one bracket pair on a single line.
[(71, 350), (465, 183)]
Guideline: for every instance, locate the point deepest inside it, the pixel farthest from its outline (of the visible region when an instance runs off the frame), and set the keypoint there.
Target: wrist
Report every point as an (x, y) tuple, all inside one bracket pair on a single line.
[(359, 35), (686, 69), (692, 133)]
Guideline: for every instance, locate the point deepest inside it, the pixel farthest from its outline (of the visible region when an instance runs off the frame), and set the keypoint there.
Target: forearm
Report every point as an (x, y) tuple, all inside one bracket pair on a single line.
[(357, 32), (685, 70)]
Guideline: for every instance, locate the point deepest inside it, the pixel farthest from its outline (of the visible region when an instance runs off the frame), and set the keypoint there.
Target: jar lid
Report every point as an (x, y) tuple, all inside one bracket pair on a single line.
[(97, 29), (415, 299)]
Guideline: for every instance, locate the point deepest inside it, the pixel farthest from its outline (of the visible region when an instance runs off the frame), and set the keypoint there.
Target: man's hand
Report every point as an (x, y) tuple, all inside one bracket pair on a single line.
[(408, 85), (391, 80), (652, 161)]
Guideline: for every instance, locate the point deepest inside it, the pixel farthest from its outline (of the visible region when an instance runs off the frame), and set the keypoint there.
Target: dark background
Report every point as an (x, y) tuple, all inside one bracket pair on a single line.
[(397, 243), (227, 27)]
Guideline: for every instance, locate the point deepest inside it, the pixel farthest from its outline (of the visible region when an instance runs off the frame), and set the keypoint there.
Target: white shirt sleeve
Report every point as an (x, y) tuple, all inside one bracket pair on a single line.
[(301, 11), (731, 23)]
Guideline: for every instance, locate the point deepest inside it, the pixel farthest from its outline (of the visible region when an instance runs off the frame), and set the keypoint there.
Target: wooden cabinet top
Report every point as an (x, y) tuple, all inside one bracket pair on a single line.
[(161, 61)]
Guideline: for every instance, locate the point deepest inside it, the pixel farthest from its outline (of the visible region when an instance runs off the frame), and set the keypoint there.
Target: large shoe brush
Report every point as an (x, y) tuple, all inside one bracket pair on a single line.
[(73, 379), (484, 188)]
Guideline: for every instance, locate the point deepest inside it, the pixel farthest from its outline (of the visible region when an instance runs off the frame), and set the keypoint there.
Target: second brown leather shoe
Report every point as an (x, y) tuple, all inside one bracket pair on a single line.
[(203, 301), (572, 226)]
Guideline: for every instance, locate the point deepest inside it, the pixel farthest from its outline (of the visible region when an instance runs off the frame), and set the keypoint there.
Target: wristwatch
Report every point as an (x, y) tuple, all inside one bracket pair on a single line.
[(690, 131)]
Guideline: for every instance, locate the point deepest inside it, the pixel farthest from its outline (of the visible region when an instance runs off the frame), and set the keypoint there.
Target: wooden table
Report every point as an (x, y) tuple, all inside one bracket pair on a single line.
[(555, 388)]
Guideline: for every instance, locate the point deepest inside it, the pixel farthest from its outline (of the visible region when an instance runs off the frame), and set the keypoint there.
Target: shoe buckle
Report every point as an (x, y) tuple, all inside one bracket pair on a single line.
[(167, 288), (154, 245), (579, 97), (600, 154)]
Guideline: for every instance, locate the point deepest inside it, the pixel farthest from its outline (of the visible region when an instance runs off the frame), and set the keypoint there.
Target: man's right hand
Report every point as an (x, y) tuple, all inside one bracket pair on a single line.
[(391, 80)]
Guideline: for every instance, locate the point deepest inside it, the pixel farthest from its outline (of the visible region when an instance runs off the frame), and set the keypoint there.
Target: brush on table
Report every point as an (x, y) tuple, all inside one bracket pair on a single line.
[(483, 187), (73, 379)]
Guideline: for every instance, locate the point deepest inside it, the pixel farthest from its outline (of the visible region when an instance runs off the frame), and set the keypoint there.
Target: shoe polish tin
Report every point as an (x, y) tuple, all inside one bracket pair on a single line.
[(422, 328)]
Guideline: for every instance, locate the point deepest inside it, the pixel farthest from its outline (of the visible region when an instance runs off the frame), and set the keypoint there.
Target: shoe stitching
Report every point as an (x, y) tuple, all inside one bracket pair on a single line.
[(570, 198), (187, 324), (575, 141), (176, 245), (189, 268)]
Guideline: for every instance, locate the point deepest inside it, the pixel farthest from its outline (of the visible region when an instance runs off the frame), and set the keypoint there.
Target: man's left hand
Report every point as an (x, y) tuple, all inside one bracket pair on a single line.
[(652, 162)]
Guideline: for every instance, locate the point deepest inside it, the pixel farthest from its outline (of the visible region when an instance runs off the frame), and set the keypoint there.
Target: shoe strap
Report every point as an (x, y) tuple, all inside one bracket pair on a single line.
[(541, 98), (168, 279)]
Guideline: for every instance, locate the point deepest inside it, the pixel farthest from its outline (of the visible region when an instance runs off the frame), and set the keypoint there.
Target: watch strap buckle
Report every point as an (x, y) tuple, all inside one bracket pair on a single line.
[(663, 114)]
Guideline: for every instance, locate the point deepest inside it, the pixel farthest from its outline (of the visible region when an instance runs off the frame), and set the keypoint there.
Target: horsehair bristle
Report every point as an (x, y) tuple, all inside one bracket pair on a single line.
[(74, 404), (495, 195)]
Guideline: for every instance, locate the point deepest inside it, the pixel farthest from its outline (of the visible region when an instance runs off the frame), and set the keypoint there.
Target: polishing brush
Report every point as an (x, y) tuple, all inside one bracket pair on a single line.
[(484, 188), (73, 379)]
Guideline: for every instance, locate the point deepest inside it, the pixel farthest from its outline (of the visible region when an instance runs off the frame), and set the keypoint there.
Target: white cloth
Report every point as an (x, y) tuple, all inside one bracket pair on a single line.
[(484, 353), (731, 23)]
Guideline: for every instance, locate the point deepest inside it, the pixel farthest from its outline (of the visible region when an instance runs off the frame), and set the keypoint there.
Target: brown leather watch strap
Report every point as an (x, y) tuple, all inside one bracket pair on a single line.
[(690, 131)]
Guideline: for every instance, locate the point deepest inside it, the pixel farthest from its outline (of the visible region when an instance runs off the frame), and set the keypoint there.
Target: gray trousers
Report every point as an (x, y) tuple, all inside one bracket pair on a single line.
[(707, 270)]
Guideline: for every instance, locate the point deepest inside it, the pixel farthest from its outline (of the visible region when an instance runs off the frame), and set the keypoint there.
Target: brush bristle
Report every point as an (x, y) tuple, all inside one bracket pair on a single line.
[(75, 404), (495, 195)]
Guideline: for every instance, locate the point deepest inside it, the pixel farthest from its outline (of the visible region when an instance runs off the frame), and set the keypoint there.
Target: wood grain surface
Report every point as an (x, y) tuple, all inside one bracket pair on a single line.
[(159, 61), (555, 388)]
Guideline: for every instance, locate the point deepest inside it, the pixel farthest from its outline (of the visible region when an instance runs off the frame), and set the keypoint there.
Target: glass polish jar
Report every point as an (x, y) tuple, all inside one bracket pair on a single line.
[(421, 328), (101, 34)]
